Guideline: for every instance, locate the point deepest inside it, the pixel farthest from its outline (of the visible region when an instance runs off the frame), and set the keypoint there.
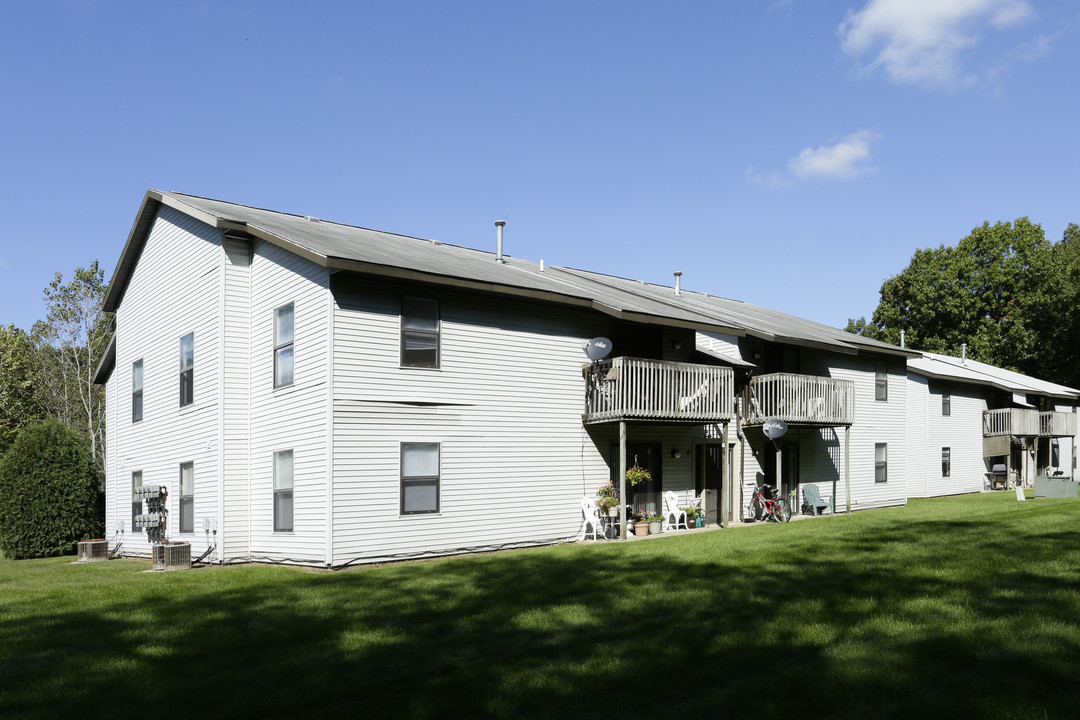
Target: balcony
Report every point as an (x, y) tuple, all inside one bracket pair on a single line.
[(799, 399), (1028, 423), (626, 388)]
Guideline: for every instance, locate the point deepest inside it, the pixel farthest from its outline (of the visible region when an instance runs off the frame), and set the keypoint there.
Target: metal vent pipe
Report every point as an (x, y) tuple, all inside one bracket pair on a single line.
[(499, 224), (678, 283)]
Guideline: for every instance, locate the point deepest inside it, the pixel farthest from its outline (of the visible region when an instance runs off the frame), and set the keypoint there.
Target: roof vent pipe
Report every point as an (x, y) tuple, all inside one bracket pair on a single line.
[(678, 283), (963, 353), (499, 224), (902, 339)]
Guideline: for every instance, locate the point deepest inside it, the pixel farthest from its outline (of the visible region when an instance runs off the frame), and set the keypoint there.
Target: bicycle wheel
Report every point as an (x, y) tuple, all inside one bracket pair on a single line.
[(783, 510)]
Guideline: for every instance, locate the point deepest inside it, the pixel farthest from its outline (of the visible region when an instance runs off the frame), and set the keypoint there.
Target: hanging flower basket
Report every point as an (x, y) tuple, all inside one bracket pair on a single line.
[(637, 475)]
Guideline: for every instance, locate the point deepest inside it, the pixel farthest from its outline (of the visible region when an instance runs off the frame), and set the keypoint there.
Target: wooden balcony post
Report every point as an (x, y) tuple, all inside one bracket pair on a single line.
[(622, 479), (847, 467)]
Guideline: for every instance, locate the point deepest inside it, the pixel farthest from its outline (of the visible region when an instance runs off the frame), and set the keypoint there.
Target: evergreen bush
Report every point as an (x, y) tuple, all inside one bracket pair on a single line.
[(50, 493)]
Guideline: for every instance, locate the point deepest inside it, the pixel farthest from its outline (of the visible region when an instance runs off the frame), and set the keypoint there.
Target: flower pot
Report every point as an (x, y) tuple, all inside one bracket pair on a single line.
[(613, 512), (641, 528), (655, 527)]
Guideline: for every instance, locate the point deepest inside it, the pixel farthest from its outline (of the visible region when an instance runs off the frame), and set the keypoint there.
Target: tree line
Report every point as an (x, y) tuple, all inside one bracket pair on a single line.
[(1008, 293), (47, 372)]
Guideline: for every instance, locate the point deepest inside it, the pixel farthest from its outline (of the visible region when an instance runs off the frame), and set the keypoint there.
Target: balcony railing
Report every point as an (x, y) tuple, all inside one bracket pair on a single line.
[(626, 388), (1057, 424), (1028, 423), (800, 399)]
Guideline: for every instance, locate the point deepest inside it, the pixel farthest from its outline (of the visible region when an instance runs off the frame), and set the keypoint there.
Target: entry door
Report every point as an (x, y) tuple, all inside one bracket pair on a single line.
[(644, 496), (708, 478)]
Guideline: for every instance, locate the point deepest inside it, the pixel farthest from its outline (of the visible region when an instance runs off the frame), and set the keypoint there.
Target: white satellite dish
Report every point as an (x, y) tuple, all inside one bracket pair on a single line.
[(597, 349), (774, 429)]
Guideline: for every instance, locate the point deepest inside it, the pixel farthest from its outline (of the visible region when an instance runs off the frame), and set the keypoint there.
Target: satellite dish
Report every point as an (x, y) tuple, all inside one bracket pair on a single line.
[(774, 429), (597, 348)]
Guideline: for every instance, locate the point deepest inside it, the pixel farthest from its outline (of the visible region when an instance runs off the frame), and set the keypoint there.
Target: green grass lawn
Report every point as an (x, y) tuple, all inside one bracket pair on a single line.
[(954, 607)]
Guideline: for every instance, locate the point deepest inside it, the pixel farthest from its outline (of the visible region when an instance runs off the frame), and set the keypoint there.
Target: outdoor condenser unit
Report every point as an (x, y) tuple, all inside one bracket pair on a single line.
[(93, 550), (172, 556)]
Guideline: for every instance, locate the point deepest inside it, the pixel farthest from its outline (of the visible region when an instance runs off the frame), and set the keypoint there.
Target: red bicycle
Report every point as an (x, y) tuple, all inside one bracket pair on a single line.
[(766, 506)]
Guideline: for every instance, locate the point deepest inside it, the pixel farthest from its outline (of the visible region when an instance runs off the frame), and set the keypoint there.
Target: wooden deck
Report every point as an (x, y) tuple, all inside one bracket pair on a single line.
[(1023, 422), (626, 388), (799, 399)]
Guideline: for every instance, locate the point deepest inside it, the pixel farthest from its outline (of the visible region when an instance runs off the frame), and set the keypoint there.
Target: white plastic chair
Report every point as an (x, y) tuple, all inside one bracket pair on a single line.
[(672, 514), (591, 516)]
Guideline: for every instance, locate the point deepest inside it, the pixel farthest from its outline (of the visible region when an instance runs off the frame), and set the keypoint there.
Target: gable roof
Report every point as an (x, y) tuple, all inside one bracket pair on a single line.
[(387, 255), (946, 367)]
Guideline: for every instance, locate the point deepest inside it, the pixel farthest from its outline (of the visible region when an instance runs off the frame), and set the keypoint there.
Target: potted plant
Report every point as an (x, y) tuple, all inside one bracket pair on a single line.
[(607, 499), (637, 475), (691, 516), (656, 523), (639, 521)]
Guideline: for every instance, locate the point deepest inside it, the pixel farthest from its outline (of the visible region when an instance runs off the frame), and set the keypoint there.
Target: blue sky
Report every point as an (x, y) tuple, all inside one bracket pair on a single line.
[(792, 154)]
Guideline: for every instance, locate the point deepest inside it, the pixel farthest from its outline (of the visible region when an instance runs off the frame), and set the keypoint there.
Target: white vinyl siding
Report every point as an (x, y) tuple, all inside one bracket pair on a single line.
[(292, 416), (510, 433), (174, 290)]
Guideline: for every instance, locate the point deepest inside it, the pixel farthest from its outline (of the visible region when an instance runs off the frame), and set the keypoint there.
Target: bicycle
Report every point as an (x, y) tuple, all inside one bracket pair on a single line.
[(765, 506)]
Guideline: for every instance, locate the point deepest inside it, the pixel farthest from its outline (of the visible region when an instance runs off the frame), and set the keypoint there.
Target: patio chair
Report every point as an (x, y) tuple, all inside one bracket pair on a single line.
[(672, 513), (590, 516), (812, 500)]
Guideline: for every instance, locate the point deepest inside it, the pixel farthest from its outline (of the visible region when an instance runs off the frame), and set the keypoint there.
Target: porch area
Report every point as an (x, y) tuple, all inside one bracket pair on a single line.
[(798, 399)]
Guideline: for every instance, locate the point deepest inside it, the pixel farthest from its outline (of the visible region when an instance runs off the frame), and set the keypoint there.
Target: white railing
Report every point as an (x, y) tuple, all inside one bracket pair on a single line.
[(1057, 424), (626, 388), (1011, 421), (807, 399)]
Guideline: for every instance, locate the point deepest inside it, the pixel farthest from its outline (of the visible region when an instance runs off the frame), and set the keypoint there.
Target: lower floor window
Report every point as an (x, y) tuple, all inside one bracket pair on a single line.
[(136, 502), (283, 491), (946, 461), (187, 498), (881, 462), (419, 478)]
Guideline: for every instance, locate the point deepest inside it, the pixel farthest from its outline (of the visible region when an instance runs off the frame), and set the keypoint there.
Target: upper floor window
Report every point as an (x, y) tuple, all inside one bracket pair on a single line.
[(187, 369), (187, 497), (283, 491), (419, 478), (881, 462), (946, 462), (881, 380), (136, 391), (946, 401), (283, 345), (419, 332)]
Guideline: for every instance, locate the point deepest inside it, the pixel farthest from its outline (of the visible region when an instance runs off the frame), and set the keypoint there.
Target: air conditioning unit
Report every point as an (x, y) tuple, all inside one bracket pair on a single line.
[(93, 550), (171, 556)]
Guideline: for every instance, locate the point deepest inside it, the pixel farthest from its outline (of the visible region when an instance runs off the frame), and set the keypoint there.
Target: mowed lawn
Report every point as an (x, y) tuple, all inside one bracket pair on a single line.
[(953, 607)]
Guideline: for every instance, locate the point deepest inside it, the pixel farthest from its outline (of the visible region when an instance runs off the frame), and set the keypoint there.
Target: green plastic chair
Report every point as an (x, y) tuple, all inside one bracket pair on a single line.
[(812, 500)]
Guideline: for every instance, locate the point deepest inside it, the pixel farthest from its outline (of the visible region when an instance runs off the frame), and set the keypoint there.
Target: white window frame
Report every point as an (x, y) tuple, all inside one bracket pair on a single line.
[(283, 346), (187, 370), (137, 391), (186, 505), (946, 401), (412, 480), (412, 330), (881, 467), (881, 380), (946, 462), (136, 503), (284, 490)]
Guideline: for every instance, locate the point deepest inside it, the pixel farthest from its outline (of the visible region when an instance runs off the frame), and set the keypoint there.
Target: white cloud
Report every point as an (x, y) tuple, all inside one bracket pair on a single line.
[(773, 179), (846, 158), (920, 41)]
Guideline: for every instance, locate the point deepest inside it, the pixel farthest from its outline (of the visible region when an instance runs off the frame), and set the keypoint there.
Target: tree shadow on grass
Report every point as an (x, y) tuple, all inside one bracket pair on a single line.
[(865, 631)]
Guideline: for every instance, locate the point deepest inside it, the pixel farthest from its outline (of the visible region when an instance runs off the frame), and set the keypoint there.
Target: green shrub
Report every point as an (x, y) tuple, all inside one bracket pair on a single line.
[(50, 494)]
